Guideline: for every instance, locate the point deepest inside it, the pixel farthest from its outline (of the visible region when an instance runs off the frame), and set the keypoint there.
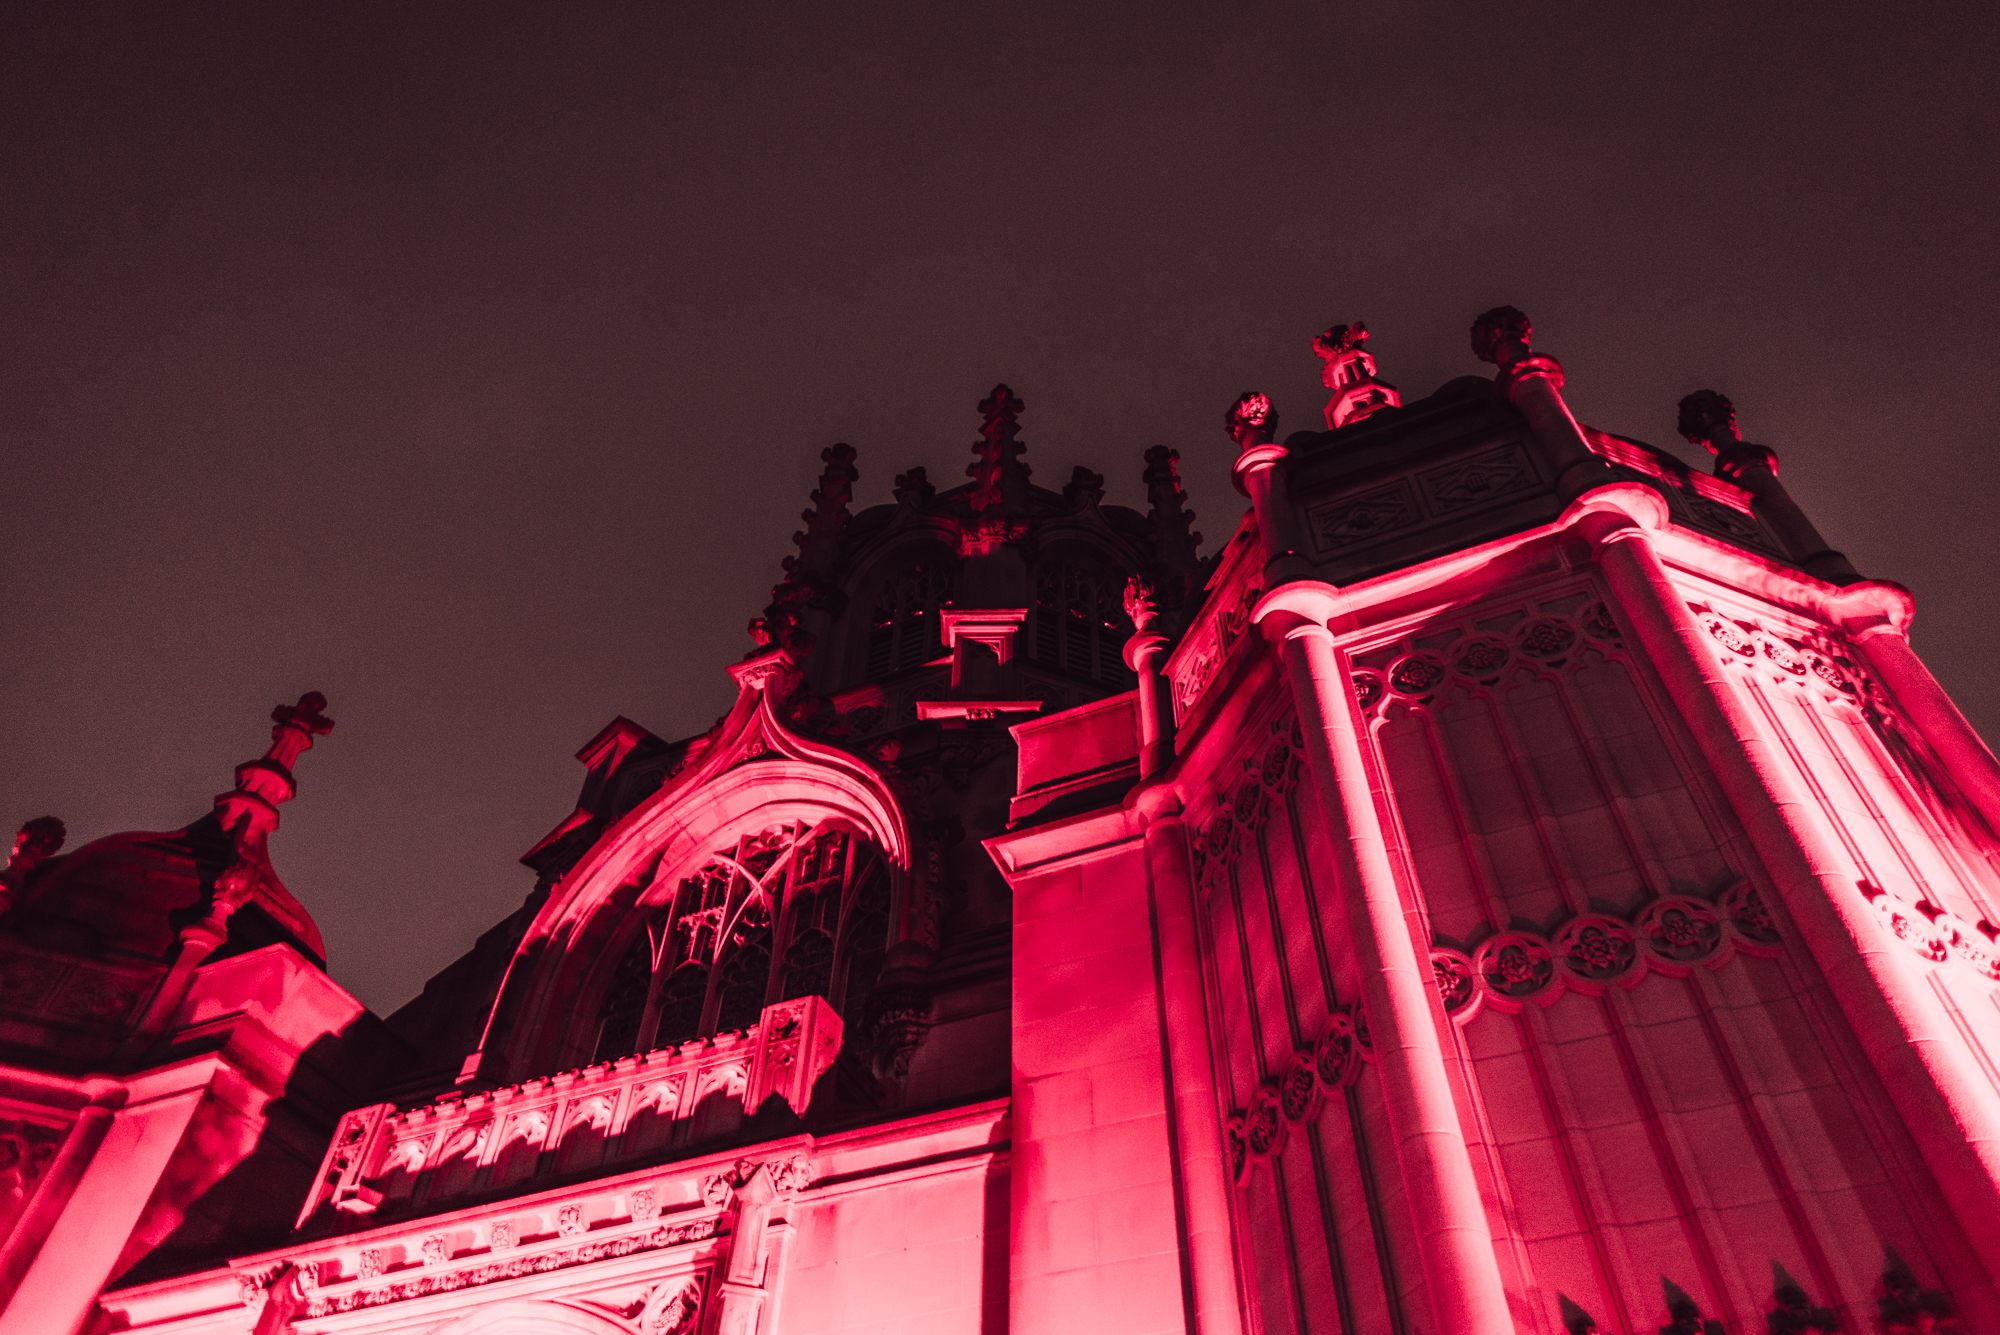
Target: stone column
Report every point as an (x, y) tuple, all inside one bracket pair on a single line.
[(50, 1196), (1708, 419), (1398, 994), (1533, 384), (1951, 1110), (1875, 616), (1204, 1169), (1146, 655)]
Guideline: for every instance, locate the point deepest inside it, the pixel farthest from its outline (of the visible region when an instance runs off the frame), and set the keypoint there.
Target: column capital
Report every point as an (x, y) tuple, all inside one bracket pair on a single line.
[(1299, 608), (1616, 511), (1156, 804), (1872, 607), (1144, 649), (1255, 460)]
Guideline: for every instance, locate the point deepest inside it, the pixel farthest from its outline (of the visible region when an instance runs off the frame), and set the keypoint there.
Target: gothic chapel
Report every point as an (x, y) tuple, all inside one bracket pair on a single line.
[(1516, 882)]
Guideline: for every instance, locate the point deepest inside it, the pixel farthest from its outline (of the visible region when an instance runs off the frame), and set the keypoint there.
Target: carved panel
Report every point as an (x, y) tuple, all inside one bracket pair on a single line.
[(1483, 479), (1349, 521)]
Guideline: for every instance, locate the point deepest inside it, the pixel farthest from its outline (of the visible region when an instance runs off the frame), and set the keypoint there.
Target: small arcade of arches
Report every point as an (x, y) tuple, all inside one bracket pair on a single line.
[(904, 623), (790, 910), (1078, 626)]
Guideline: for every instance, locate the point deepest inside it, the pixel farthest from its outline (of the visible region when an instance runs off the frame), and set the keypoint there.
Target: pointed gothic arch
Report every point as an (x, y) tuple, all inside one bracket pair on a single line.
[(695, 888), (1076, 625)]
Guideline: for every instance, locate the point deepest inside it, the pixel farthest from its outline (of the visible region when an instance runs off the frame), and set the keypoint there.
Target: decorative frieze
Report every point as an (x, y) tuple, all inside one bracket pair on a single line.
[(440, 1280), (1297, 1093), (1815, 666), (1547, 637), (1938, 936), (1593, 952), (448, 1146)]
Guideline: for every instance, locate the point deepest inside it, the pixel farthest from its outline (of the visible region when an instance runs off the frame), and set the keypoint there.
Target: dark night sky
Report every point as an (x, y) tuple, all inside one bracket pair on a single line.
[(471, 363)]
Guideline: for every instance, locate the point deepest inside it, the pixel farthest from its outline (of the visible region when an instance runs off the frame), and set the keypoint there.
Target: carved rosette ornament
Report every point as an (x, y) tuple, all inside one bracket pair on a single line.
[(1367, 690), (1547, 639), (1337, 1056), (1480, 658), (1264, 1122), (1456, 979), (1750, 916), (1236, 1139), (1679, 932), (1417, 676), (1597, 951), (1298, 1088), (672, 1309), (1514, 968)]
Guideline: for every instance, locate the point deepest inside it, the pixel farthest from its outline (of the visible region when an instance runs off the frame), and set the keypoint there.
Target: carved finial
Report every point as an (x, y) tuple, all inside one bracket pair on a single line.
[(1708, 419), (1174, 538), (1340, 339), (914, 488), (1502, 336), (999, 477), (819, 541), (1251, 420), (234, 886), (1348, 370), (1084, 489), (1142, 601), (293, 728), (38, 841), (249, 811)]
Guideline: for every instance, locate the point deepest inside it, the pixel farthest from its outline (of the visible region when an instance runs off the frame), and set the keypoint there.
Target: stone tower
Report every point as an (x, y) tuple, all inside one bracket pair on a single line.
[(1570, 907), (1518, 883)]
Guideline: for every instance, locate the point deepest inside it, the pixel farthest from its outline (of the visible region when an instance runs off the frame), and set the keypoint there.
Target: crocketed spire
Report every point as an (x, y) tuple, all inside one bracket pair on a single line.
[(998, 472)]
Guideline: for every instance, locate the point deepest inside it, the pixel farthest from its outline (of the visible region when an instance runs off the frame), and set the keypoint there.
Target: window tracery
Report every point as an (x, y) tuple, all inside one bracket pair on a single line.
[(788, 911), (904, 625), (1079, 627)]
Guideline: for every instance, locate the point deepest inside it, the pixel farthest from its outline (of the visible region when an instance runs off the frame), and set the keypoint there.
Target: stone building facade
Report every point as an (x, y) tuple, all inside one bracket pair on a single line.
[(1517, 882)]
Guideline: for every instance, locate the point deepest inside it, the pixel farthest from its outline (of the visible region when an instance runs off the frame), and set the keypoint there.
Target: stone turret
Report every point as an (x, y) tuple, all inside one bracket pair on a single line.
[(1349, 371)]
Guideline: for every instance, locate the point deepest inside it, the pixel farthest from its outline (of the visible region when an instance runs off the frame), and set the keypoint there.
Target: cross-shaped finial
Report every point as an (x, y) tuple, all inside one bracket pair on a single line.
[(294, 727)]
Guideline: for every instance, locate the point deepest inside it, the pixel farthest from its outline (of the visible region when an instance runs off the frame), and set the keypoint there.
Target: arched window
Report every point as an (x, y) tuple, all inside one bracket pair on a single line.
[(683, 997), (793, 892), (864, 943), (625, 1004), (1079, 627), (903, 629), (745, 980), (808, 966)]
